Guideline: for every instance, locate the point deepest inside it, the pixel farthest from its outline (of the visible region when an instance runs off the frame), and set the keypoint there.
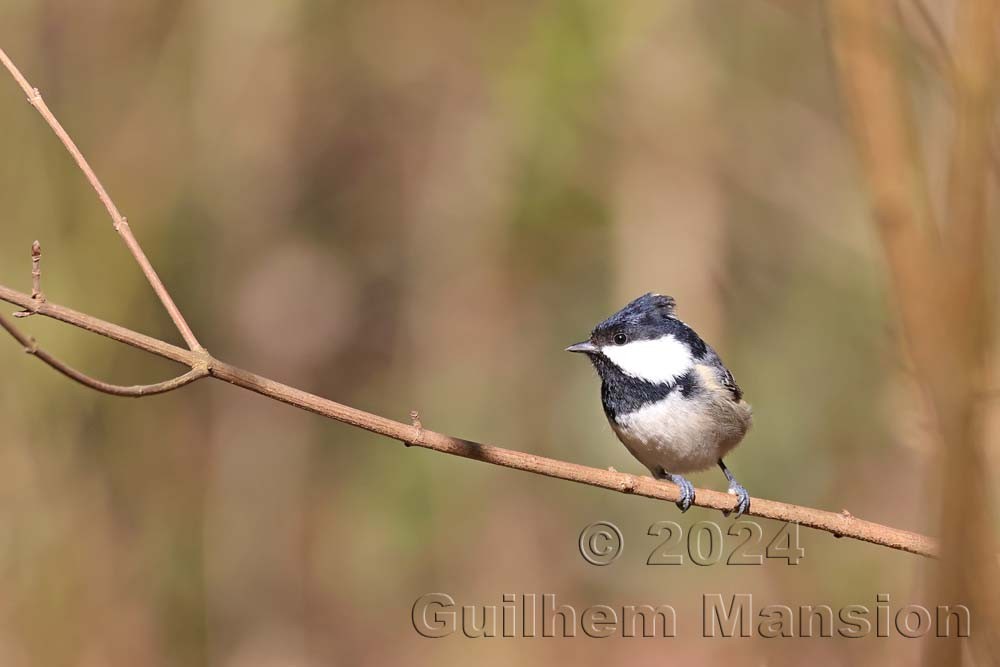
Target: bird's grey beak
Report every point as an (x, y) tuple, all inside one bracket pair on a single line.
[(586, 347)]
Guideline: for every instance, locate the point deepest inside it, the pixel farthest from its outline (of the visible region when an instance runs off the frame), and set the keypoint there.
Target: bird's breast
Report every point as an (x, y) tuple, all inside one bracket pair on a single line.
[(681, 434)]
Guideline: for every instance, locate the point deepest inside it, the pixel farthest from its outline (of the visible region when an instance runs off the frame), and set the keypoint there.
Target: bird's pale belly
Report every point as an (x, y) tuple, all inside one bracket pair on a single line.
[(683, 435)]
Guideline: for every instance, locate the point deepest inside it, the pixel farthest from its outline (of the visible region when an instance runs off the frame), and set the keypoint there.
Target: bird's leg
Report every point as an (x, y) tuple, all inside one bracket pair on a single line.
[(687, 489), (735, 488)]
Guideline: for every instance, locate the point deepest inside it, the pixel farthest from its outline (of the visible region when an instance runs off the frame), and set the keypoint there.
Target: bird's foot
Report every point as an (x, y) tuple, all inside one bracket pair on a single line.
[(735, 488), (687, 490), (742, 499)]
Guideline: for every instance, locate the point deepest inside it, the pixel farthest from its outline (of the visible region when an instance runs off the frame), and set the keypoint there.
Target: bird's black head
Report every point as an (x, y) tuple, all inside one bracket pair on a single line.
[(643, 340)]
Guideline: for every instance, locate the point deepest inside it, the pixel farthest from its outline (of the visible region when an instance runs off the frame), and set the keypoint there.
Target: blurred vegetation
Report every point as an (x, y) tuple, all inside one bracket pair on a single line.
[(418, 205)]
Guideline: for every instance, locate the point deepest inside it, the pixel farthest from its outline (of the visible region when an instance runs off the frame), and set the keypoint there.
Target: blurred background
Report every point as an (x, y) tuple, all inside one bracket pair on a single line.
[(417, 206)]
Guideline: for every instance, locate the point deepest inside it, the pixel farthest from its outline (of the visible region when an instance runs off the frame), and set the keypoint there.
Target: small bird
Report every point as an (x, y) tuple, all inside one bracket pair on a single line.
[(667, 395)]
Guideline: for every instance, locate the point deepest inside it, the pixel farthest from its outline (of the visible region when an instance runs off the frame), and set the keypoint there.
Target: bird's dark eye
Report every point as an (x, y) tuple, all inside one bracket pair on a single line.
[(620, 339)]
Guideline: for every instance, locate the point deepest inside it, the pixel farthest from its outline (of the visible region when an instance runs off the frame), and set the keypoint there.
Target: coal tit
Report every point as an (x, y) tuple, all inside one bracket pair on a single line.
[(667, 395)]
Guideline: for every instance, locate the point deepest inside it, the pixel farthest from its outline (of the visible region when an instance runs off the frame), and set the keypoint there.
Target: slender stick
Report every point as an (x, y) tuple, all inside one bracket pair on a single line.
[(840, 524), (36, 271), (135, 391), (36, 278), (120, 222)]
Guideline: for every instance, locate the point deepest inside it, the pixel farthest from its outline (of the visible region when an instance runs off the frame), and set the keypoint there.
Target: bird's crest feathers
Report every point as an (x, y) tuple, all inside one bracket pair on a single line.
[(647, 309)]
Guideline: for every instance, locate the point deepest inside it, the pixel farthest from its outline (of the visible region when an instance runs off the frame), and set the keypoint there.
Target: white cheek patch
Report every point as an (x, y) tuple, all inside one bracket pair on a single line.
[(662, 360)]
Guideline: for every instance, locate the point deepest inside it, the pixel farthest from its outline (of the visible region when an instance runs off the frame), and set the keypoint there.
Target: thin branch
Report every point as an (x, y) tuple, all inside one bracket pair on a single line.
[(135, 391), (840, 524), (120, 222), (36, 278), (31, 347), (36, 271)]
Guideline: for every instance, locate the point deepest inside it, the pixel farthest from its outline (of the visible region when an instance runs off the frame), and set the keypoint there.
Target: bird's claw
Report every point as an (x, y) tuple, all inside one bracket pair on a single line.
[(742, 500), (687, 492)]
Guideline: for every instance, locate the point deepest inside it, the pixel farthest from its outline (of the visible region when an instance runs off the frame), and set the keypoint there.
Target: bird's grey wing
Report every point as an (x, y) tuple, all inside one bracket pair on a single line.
[(727, 380), (724, 375)]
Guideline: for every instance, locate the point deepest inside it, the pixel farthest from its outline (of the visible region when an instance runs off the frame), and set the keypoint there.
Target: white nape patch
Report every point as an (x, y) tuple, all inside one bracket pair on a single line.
[(663, 359)]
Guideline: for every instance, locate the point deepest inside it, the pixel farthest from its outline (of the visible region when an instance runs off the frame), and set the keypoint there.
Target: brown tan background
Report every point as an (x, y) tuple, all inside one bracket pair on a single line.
[(406, 205)]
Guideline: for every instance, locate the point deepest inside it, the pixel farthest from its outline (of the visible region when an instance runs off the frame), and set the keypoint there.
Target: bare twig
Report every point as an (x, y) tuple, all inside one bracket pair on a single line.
[(120, 222), (36, 278), (135, 391), (418, 435), (36, 271), (201, 363)]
